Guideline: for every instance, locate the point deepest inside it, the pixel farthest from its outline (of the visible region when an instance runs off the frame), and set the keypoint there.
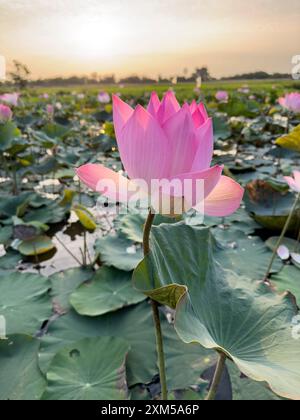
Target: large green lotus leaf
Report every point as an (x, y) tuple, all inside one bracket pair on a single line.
[(24, 302), (119, 252), (52, 213), (54, 131), (245, 389), (220, 309), (134, 324), (221, 129), (109, 290), (269, 206), (288, 280), (12, 206), (64, 283), (8, 132), (244, 255), (291, 244), (185, 363), (10, 260), (90, 369), (132, 225), (21, 378), (5, 234)]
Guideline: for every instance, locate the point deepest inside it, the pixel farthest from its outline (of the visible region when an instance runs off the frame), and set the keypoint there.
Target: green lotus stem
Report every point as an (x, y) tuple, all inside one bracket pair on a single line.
[(156, 318), (68, 251), (217, 377), (298, 242), (283, 233), (84, 248)]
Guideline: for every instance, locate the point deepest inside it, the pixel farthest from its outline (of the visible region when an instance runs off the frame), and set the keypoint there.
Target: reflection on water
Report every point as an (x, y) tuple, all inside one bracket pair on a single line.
[(68, 239)]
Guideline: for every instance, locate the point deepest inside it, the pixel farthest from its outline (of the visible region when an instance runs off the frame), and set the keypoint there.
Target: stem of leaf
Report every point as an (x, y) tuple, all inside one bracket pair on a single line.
[(217, 377), (283, 233), (298, 242), (68, 251), (156, 318)]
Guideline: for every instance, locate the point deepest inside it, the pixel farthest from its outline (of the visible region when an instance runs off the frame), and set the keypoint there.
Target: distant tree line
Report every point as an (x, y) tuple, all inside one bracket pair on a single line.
[(19, 77), (258, 75)]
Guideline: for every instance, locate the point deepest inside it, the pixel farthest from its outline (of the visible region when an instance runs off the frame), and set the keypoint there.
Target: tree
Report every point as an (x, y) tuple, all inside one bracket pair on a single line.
[(203, 73), (20, 74)]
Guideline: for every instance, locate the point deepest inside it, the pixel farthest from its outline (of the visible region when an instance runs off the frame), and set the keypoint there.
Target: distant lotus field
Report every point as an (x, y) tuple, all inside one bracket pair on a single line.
[(104, 300)]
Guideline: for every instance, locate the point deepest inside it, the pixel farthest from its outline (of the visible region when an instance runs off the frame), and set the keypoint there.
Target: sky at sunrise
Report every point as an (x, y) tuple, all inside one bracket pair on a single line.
[(67, 37)]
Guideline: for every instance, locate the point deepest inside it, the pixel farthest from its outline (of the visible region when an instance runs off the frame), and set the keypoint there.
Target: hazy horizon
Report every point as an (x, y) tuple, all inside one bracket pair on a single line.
[(76, 37)]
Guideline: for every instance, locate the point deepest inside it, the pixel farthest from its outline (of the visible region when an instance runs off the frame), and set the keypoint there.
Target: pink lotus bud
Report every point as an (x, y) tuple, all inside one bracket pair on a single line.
[(222, 96), (5, 113), (166, 142), (291, 101)]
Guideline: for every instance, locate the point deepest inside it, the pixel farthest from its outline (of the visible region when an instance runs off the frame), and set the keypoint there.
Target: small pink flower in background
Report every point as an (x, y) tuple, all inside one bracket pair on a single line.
[(166, 142), (222, 96), (252, 97), (45, 96), (50, 109), (5, 113), (244, 89), (10, 98), (291, 101), (294, 182), (104, 98)]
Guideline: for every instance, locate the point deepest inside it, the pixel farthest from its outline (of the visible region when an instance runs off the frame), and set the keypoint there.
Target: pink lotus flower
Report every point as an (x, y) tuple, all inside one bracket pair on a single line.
[(50, 109), (10, 98), (291, 101), (222, 96), (5, 113), (294, 183), (167, 142), (104, 98)]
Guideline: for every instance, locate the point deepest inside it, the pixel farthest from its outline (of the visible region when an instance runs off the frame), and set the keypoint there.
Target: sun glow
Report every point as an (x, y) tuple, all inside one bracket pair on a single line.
[(93, 38)]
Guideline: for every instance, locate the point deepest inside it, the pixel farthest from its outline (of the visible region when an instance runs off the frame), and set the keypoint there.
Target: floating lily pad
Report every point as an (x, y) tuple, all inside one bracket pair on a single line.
[(119, 252), (243, 254), (288, 280), (291, 244), (270, 207), (109, 290), (134, 324), (64, 283), (24, 302), (291, 141), (56, 130), (90, 369), (21, 378), (10, 260), (36, 246), (5, 234)]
